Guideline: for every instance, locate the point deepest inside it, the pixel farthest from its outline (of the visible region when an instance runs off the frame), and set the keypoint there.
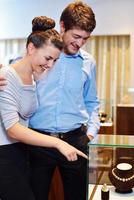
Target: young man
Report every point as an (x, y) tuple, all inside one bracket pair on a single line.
[(68, 107), (67, 101)]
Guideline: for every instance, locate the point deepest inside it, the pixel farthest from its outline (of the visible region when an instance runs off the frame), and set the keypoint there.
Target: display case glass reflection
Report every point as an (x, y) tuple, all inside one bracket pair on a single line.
[(107, 153)]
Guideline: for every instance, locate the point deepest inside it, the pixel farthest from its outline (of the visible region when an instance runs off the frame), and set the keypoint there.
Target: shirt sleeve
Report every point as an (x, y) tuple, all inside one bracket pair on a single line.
[(9, 103), (91, 101)]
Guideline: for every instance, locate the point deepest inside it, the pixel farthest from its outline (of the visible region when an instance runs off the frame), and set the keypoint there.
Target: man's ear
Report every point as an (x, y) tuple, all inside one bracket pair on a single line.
[(62, 28), (30, 48)]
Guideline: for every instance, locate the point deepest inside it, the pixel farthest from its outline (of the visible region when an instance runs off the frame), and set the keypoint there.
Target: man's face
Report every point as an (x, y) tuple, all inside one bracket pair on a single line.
[(74, 39)]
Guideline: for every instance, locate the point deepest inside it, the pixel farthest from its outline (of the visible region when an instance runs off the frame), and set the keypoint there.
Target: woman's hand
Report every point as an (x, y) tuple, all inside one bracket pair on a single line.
[(70, 152)]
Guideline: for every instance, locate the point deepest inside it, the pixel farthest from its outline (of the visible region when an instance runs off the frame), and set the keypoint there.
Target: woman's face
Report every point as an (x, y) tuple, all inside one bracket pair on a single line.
[(44, 58)]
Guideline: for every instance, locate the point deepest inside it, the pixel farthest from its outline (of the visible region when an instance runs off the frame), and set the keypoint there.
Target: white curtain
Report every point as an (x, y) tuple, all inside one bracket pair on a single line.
[(112, 54), (10, 49)]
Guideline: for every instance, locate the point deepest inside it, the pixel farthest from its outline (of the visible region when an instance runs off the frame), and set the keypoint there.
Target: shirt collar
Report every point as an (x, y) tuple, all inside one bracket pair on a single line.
[(78, 54)]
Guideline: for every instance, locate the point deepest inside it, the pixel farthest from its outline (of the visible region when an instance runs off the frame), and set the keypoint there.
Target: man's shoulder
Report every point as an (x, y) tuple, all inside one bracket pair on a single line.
[(89, 62), (87, 56)]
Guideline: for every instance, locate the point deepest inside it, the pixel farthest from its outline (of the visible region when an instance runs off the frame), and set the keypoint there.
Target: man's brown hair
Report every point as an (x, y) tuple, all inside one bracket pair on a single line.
[(78, 15)]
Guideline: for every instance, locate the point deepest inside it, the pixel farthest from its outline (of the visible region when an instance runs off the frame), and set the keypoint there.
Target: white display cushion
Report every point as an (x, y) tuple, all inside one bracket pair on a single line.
[(124, 166)]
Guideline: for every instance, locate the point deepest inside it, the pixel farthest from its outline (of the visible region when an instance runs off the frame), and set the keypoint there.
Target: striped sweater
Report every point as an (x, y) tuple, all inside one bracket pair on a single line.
[(17, 103)]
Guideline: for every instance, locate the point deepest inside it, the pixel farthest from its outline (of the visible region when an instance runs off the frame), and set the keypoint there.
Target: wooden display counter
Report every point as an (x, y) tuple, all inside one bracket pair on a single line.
[(106, 128)]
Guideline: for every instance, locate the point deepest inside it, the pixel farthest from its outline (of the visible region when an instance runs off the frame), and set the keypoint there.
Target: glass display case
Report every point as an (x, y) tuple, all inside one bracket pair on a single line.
[(111, 164)]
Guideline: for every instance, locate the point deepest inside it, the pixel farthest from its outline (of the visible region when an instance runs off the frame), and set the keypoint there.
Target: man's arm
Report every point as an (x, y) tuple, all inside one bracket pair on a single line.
[(92, 103)]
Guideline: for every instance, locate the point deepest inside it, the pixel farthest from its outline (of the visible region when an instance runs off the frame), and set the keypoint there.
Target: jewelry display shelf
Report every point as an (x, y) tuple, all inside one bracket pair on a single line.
[(105, 153)]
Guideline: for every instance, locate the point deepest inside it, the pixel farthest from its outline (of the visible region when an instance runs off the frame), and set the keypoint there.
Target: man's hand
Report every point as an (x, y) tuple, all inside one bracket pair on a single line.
[(90, 136), (2, 80)]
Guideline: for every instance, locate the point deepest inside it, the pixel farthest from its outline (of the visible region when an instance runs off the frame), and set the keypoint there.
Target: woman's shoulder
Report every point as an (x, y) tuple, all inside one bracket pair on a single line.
[(9, 73), (13, 81), (4, 70)]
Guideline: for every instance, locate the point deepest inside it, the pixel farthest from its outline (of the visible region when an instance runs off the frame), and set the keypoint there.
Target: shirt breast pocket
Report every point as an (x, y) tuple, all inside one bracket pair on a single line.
[(74, 83)]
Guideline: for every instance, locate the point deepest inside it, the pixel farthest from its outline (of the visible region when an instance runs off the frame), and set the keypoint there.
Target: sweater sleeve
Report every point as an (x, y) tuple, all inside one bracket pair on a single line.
[(9, 102)]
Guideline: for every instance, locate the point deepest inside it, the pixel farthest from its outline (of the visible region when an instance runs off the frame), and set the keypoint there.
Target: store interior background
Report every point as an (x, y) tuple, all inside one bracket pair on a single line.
[(115, 24)]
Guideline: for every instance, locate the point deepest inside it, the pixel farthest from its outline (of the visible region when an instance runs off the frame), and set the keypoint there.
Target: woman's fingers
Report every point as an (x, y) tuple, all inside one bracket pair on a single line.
[(75, 153), (72, 156), (70, 152), (80, 153)]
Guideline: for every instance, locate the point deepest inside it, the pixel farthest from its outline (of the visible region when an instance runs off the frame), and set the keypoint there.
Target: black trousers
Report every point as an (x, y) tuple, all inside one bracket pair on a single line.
[(14, 173), (74, 174)]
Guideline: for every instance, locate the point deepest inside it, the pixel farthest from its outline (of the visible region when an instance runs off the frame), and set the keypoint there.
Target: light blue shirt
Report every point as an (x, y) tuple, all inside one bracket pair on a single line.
[(67, 96)]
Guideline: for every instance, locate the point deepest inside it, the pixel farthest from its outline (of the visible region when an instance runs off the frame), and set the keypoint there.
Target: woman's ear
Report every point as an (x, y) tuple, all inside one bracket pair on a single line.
[(30, 48), (62, 28)]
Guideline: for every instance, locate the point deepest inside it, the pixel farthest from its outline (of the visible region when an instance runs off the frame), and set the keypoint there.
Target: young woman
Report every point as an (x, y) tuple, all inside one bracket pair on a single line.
[(18, 102)]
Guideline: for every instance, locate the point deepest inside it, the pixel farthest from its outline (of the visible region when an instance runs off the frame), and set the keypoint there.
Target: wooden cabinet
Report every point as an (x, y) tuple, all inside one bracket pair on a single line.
[(125, 119)]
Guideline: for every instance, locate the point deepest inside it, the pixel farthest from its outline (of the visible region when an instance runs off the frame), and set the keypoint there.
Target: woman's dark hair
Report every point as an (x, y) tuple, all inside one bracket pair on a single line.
[(78, 15), (43, 32)]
